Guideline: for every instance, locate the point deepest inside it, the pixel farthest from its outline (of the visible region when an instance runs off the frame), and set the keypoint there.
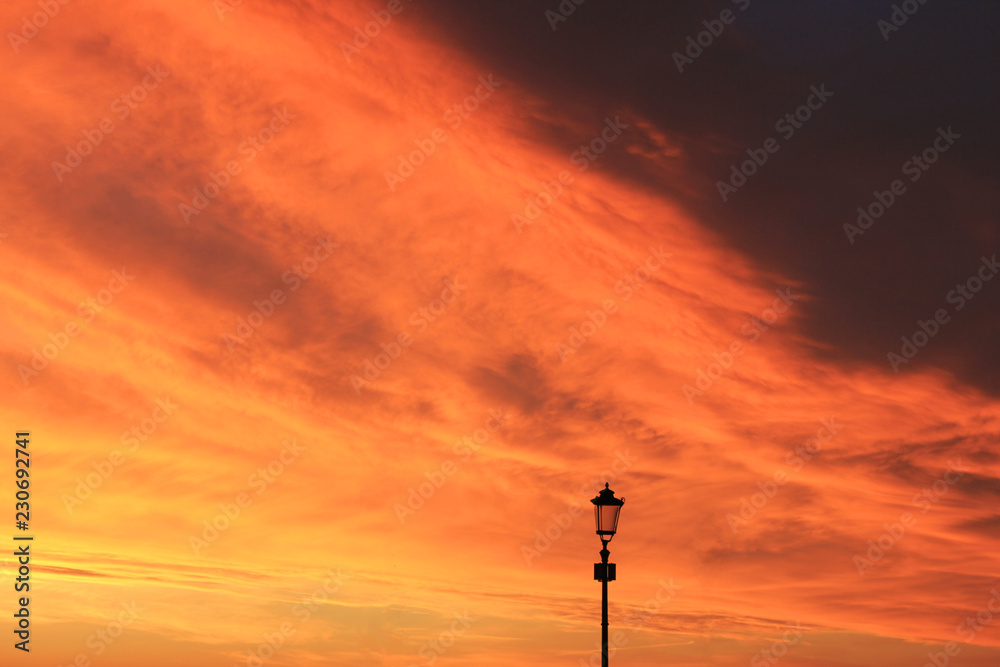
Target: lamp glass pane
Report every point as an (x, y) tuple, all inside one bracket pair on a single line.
[(607, 519)]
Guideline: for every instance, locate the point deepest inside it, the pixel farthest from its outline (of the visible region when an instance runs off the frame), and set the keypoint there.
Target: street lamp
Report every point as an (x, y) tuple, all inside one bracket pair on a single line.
[(606, 509)]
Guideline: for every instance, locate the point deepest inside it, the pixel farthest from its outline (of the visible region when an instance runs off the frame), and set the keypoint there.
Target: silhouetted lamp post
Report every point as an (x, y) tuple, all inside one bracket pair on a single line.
[(606, 509)]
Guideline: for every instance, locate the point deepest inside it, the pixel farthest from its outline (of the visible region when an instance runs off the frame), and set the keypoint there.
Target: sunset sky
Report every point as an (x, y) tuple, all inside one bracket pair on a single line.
[(327, 319)]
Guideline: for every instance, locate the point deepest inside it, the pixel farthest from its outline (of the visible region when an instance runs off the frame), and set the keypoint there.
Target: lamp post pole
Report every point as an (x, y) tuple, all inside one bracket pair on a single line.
[(604, 605)]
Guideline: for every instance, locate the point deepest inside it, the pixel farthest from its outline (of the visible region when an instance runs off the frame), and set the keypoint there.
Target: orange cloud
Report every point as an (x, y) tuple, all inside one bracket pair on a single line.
[(259, 516)]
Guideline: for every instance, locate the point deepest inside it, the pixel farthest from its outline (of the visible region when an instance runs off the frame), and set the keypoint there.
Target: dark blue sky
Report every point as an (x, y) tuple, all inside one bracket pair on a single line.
[(890, 98)]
